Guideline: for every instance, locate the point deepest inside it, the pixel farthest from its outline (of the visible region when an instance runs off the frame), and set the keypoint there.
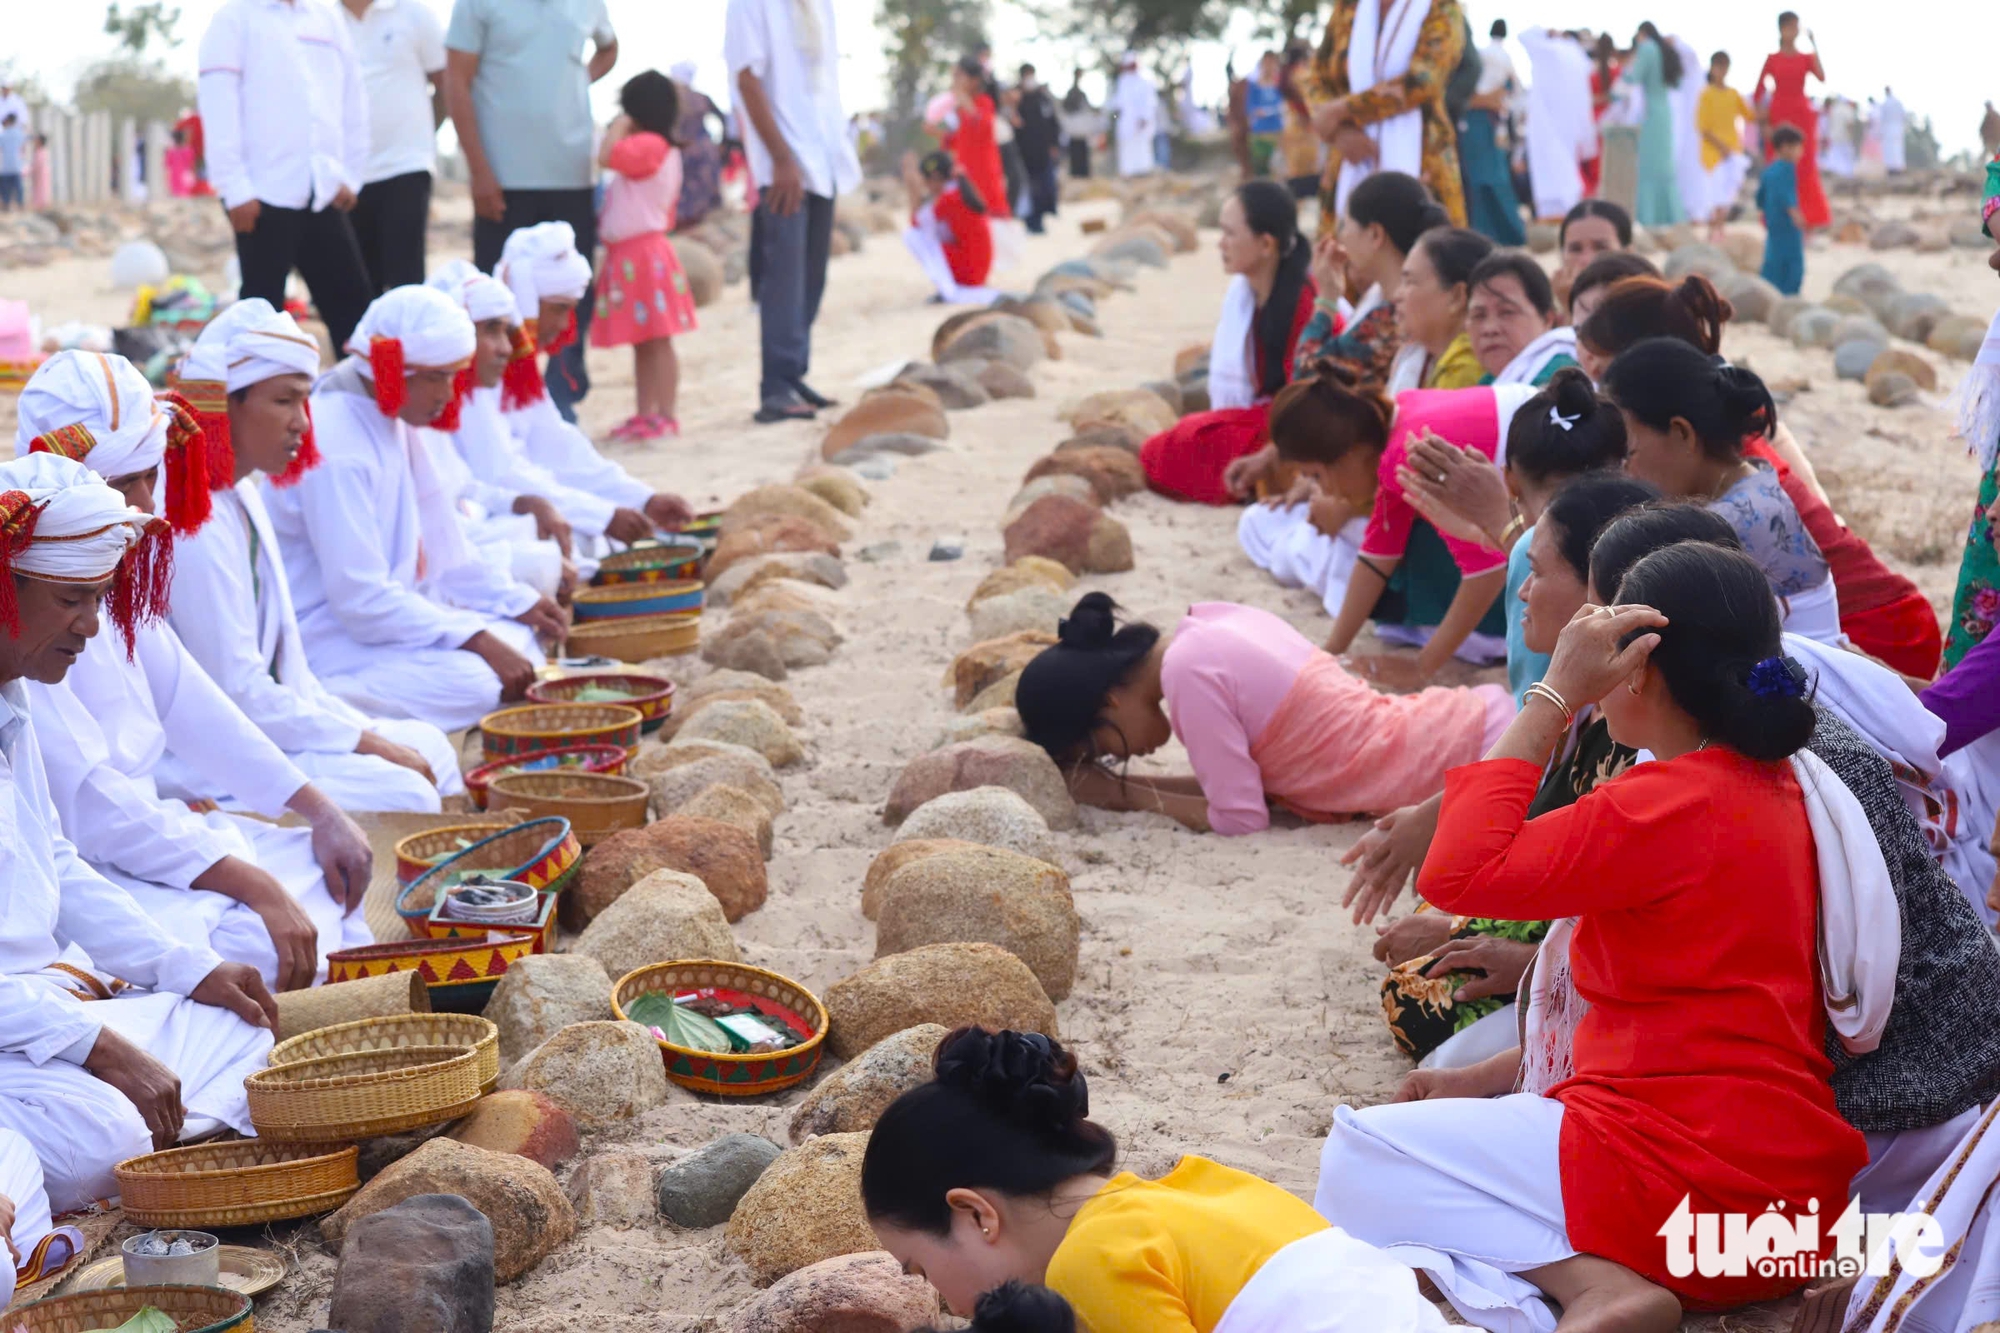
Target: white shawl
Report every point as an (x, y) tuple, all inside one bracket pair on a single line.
[(1406, 372), (1531, 360), (1979, 401), (1860, 926), (1232, 372), (1379, 50)]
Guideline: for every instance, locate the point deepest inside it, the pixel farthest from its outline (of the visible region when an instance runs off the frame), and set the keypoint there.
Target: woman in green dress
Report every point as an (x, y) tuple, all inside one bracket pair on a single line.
[(1654, 69)]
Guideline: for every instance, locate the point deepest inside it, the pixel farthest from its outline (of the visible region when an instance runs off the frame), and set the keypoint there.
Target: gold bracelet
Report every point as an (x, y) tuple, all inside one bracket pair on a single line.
[(1515, 527), (1539, 690)]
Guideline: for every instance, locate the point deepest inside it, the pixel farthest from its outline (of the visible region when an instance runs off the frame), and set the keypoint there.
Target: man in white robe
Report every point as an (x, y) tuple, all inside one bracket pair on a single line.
[(541, 266), (278, 899), (1561, 131), (1892, 124), (247, 380), (400, 617), (92, 1084), (1136, 103), (1685, 99), (24, 1209)]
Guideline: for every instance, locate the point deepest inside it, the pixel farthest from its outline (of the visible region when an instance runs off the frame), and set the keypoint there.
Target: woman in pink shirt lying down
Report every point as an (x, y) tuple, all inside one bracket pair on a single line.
[(1266, 718)]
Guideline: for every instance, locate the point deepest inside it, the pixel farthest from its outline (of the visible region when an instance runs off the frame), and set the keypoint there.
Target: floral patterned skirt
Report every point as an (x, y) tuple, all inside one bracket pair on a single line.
[(642, 294), (1975, 607)]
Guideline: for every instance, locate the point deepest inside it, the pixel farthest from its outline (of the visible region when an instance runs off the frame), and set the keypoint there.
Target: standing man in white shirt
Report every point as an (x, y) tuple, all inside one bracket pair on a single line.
[(399, 45), (785, 64), (285, 124)]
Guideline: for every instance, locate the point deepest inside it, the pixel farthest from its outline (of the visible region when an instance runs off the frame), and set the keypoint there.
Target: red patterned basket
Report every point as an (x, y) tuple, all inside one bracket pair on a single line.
[(460, 973), (653, 696), (733, 1075), (589, 758), (513, 733)]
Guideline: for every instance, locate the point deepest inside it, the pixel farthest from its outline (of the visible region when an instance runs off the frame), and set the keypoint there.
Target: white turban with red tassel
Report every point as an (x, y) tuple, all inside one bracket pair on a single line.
[(412, 328), (538, 264), (244, 345), (60, 524)]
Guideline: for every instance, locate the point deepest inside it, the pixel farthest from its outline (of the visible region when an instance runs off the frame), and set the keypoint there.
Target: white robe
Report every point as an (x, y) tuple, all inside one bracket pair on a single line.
[(1689, 173), (566, 454), (58, 909), (1137, 104), (504, 539), (1562, 131), (235, 618), (21, 1185), (108, 731), (487, 440), (1891, 124), (385, 584)]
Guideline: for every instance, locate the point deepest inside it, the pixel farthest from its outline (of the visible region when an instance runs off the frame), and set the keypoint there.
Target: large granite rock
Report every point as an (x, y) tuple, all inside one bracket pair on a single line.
[(985, 663), (853, 1097), (543, 994), (665, 917), (750, 723), (783, 501), (989, 896), (601, 1073), (992, 816), (1895, 359), (1061, 483), (529, 1213), (805, 1207), (733, 805), (676, 776), (950, 985), (703, 1188), (1029, 572), (1019, 766), (1112, 472), (1145, 412), (1079, 536), (774, 533), (1033, 609), (884, 414), (1852, 359), (837, 486), (893, 858), (526, 1124), (798, 566), (723, 857), (425, 1263), (1008, 339), (956, 387), (882, 447), (613, 1189), (849, 1293)]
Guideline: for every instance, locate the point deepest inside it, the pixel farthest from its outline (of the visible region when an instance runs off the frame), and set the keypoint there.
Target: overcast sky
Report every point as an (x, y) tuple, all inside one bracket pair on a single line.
[(1865, 45)]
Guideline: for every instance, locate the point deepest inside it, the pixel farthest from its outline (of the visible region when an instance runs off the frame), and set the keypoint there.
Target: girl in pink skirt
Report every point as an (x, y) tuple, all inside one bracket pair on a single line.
[(643, 298)]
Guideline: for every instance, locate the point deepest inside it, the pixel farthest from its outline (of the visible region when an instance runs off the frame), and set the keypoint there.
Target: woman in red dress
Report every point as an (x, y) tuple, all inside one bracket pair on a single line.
[(971, 142), (1786, 70), (1701, 1078)]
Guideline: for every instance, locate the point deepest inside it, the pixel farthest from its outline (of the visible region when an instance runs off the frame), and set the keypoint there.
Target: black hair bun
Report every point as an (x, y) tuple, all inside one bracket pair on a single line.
[(1575, 395), (1091, 622), (1024, 1076), (1016, 1307), (1431, 215)]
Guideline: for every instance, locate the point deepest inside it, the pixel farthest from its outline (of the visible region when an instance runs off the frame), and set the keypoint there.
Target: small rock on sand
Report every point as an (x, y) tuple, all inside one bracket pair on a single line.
[(850, 1293), (703, 1188), (805, 1207), (852, 1098)]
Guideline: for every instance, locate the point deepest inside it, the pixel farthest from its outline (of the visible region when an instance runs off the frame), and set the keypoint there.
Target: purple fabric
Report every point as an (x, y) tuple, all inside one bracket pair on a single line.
[(1967, 697)]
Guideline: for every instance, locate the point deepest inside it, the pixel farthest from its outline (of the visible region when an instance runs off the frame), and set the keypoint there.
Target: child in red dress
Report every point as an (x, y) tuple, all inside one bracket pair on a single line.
[(643, 298)]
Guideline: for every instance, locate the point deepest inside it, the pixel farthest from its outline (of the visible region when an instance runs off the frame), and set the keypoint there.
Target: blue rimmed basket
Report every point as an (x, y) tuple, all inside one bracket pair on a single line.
[(541, 852), (676, 557), (619, 600)]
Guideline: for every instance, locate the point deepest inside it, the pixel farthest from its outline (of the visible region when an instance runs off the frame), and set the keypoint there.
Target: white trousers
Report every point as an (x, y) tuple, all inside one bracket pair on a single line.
[(1284, 542), (447, 687), (364, 782), (81, 1126), (21, 1185), (1900, 1163), (1467, 1189), (199, 917), (929, 252), (1329, 1282)]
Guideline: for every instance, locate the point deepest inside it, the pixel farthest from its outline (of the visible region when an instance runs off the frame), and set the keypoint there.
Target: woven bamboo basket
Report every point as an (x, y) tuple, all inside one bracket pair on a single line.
[(623, 601), (589, 758), (731, 1075), (461, 972), (596, 805), (393, 1034), (653, 562), (220, 1310), (533, 728), (302, 1011), (363, 1094), (421, 851), (653, 696), (241, 1183), (637, 638), (542, 852)]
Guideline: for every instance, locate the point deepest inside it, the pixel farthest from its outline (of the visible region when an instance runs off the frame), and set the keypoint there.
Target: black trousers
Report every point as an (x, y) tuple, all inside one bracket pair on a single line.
[(568, 381), (1044, 190), (390, 221), (321, 246)]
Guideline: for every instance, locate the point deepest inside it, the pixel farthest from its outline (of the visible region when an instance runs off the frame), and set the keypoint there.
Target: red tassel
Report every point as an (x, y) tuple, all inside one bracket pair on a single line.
[(208, 400), (521, 383), (18, 516), (145, 579), (305, 460), (462, 384), (385, 358), (187, 472), (71, 442), (566, 337)]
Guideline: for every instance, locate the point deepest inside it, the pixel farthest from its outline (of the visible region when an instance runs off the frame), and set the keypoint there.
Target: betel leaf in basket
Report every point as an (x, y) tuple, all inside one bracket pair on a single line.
[(678, 1024)]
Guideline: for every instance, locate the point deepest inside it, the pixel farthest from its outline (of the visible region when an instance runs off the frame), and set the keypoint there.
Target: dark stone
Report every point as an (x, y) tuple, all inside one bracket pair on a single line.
[(424, 1265), (702, 1189)]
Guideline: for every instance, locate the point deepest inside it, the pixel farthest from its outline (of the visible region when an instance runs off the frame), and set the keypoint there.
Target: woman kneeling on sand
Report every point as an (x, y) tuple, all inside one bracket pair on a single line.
[(1265, 717), (1700, 1069), (993, 1174)]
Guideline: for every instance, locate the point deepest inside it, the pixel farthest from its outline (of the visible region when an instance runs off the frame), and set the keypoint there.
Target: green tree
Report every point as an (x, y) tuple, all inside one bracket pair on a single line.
[(138, 27), (131, 88), (924, 38)]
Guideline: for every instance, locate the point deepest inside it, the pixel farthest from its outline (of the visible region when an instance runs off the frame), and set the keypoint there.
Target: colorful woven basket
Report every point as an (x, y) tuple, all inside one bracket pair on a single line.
[(241, 1183), (543, 930), (732, 1075), (460, 973), (596, 805), (653, 562), (421, 851), (620, 601), (391, 1034), (653, 696), (589, 758), (637, 638), (541, 852), (514, 733), (363, 1094), (196, 1310)]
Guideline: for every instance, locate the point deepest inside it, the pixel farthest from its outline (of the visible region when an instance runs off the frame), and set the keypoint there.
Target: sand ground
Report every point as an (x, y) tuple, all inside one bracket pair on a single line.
[(1224, 1004)]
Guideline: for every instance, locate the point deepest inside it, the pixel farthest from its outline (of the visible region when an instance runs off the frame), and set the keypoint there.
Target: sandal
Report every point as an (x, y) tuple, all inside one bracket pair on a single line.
[(771, 413), (632, 430), (666, 427)]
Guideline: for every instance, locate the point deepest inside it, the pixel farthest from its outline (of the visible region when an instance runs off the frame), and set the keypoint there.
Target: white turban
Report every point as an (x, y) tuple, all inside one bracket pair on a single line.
[(541, 263), (483, 297), (59, 523), (96, 408), (432, 330), (249, 343)]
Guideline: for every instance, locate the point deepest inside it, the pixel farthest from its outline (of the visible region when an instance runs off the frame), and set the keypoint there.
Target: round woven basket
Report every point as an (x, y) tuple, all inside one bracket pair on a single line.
[(198, 1310), (731, 1075), (653, 562), (596, 805), (363, 1094), (533, 728), (653, 696), (637, 638), (420, 851), (372, 997), (543, 852), (241, 1183), (394, 1034), (621, 601), (589, 758)]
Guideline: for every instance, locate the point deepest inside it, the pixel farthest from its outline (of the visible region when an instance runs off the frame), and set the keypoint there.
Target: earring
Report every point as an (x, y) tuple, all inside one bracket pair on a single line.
[(1632, 686), (987, 1232)]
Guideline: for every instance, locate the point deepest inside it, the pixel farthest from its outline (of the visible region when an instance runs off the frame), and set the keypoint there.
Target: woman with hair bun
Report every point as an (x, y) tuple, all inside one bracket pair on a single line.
[(1700, 1071), (992, 1178), (1264, 715)]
